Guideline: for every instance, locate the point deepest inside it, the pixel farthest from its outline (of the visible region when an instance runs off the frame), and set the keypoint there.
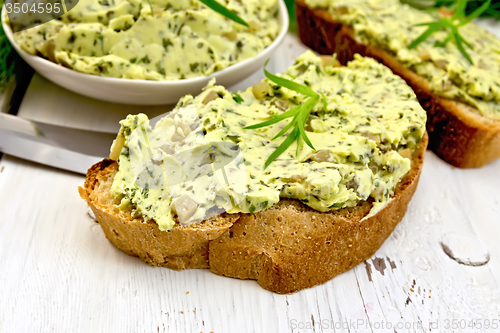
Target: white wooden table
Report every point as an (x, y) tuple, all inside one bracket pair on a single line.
[(58, 273)]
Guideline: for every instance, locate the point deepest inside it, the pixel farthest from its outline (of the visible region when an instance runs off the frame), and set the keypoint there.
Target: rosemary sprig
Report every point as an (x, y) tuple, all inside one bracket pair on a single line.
[(300, 114), (454, 23), (214, 5)]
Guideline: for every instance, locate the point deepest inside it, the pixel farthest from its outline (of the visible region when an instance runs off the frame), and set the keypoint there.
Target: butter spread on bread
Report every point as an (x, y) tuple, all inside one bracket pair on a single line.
[(364, 131), (391, 25)]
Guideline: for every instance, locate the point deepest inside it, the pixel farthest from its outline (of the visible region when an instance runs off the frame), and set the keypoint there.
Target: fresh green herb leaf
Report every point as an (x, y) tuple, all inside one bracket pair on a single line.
[(472, 5), (283, 146), (290, 5), (300, 114), (478, 12), (150, 6), (214, 5), (433, 27), (6, 68), (286, 128), (460, 11), (323, 98), (10, 61), (301, 89), (444, 42), (334, 59), (237, 98), (303, 116), (458, 20), (290, 113), (459, 40)]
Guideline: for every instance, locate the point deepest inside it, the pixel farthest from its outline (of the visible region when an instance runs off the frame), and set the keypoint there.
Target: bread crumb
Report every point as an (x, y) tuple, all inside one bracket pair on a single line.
[(187, 292), (182, 312)]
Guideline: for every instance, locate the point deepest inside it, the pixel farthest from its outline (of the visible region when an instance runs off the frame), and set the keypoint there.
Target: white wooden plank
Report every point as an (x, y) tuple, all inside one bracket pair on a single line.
[(426, 284), (59, 268)]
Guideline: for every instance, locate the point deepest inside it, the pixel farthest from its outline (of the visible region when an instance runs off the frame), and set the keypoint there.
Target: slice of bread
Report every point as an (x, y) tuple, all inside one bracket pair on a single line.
[(286, 248), (457, 132)]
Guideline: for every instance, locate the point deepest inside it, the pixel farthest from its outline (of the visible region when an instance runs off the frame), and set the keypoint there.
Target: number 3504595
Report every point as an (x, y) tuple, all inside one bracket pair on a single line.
[(475, 323), (39, 8)]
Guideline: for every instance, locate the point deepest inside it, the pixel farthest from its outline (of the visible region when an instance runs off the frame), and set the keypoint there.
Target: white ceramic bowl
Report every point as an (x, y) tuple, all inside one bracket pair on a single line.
[(145, 92)]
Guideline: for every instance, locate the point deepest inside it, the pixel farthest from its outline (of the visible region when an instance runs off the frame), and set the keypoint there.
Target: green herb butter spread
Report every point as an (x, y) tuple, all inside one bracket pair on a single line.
[(363, 129), (180, 39), (390, 25)]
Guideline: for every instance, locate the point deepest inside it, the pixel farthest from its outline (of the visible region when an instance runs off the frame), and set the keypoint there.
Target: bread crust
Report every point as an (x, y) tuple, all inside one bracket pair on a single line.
[(180, 248), (286, 248), (457, 132)]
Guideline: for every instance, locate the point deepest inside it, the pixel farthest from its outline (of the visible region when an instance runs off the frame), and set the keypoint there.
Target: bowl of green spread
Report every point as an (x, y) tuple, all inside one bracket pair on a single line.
[(151, 52)]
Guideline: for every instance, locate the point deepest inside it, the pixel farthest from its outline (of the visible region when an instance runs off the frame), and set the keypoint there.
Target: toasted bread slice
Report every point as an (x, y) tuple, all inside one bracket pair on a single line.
[(286, 248), (457, 132)]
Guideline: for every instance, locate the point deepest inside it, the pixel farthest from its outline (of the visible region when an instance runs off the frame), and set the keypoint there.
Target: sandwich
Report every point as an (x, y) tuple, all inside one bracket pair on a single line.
[(297, 179), (458, 86)]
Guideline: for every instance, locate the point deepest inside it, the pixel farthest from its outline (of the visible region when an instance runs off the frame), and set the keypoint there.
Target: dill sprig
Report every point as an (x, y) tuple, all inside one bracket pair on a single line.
[(454, 23), (300, 114)]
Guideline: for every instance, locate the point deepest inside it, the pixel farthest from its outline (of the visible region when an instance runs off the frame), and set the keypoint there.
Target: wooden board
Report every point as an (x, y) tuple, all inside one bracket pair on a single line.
[(58, 273)]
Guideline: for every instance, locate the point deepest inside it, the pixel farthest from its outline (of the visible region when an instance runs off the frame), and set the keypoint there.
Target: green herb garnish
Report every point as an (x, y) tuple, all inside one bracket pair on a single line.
[(453, 23), (150, 6), (214, 5), (13, 69), (237, 98), (6, 66), (290, 5), (300, 114), (8, 57), (472, 5)]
